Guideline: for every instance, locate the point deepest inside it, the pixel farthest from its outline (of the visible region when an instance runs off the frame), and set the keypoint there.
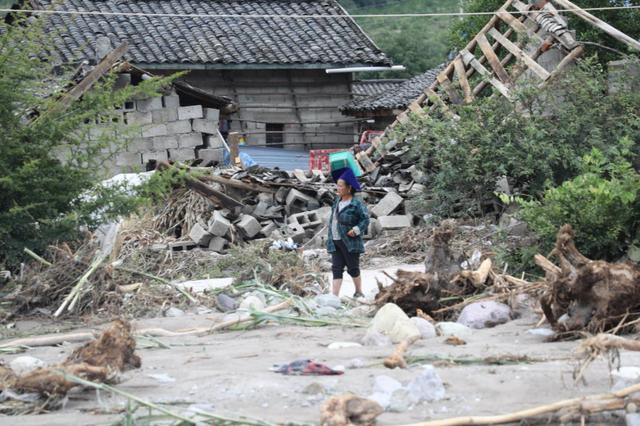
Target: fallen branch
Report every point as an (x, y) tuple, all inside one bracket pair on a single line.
[(396, 359), (580, 406), (182, 291), (594, 347), (74, 294)]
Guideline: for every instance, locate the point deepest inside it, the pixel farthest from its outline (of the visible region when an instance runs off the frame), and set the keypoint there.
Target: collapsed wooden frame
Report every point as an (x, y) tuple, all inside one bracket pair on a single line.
[(506, 48)]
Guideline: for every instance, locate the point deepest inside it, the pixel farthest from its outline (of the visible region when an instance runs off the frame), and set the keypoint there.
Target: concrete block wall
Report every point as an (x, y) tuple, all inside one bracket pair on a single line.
[(316, 94), (161, 129)]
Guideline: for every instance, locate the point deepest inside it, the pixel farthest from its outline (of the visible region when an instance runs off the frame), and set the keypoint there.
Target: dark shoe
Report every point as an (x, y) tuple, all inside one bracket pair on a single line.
[(357, 294)]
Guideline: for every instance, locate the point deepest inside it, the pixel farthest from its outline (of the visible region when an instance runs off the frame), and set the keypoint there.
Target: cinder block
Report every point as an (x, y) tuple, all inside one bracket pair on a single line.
[(373, 230), (296, 232), (164, 142), (217, 244), (171, 101), (136, 118), (152, 130), (190, 140), (187, 112), (164, 115), (297, 202), (154, 155), (178, 127), (211, 155), (128, 159), (249, 225), (149, 104), (394, 222), (305, 219), (199, 235), (212, 114), (182, 154), (205, 126), (218, 224), (387, 205), (214, 141), (139, 145), (268, 229)]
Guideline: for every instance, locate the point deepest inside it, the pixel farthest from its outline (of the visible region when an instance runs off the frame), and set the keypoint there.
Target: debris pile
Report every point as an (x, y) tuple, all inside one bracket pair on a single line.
[(100, 360)]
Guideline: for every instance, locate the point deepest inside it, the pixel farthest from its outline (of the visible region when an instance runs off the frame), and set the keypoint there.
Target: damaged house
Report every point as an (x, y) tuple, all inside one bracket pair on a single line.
[(272, 67)]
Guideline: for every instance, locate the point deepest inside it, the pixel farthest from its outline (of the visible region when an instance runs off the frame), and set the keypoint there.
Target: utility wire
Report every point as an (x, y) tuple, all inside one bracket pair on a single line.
[(295, 16)]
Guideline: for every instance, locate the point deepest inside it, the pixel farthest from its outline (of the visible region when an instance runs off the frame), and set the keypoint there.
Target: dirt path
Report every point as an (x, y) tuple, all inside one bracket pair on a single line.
[(228, 373)]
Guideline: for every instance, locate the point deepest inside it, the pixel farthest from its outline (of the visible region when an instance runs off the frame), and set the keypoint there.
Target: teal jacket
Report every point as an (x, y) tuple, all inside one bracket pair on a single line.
[(355, 214)]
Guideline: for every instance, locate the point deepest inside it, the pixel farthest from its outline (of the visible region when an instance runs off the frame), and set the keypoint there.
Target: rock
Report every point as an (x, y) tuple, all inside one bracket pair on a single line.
[(328, 300), (427, 386), (174, 312), (393, 322), (624, 377), (363, 311), (447, 329), (400, 401), (632, 419), (252, 302), (375, 338), (427, 330), (343, 345), (484, 314), (325, 311), (314, 389), (24, 364), (356, 363), (225, 303), (383, 388), (162, 378), (544, 332)]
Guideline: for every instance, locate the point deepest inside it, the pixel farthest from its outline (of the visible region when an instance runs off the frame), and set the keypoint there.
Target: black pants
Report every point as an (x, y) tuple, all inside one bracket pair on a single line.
[(341, 258)]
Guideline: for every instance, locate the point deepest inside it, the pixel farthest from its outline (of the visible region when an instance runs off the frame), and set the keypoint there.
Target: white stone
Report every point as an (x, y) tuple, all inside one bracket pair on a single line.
[(544, 332), (447, 329), (427, 386), (393, 322), (25, 364), (394, 222), (375, 338), (427, 330), (328, 300), (174, 312), (383, 388), (324, 311), (343, 345), (252, 302), (484, 314)]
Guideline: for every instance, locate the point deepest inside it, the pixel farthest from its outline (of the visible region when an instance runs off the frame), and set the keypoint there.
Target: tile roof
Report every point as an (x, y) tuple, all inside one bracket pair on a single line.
[(362, 88), (399, 96), (191, 40)]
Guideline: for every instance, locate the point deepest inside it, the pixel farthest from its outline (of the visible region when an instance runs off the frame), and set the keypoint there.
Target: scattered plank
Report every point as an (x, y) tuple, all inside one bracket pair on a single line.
[(493, 59), (521, 55)]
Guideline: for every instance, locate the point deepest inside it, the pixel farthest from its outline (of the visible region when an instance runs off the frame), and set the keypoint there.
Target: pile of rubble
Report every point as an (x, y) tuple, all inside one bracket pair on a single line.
[(291, 207)]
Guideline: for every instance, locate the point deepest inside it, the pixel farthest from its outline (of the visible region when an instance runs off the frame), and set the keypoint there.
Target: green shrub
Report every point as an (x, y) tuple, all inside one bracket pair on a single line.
[(602, 204)]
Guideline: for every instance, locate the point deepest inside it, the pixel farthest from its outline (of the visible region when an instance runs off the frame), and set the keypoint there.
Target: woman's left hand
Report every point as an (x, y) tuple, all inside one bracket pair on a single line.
[(351, 233)]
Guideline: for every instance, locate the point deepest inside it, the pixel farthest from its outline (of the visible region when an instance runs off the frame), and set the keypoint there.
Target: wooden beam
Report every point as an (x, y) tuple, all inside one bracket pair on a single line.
[(471, 60), (493, 59), (514, 23), (235, 183), (599, 23), (416, 108), (234, 148), (438, 102), (566, 61), (518, 53), (446, 85), (461, 72)]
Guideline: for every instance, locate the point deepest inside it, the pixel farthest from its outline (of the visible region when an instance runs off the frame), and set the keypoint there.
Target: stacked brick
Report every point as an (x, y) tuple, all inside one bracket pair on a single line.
[(161, 129)]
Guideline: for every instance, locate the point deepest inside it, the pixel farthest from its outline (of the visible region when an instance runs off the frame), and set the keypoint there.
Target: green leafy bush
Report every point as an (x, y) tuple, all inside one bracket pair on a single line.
[(536, 142), (602, 204)]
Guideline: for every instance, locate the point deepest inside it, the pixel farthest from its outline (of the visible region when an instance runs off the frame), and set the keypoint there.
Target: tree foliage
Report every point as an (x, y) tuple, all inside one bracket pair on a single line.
[(536, 142), (50, 156)]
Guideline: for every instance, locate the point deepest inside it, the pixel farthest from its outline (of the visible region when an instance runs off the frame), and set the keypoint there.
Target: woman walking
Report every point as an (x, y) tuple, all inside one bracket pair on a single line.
[(348, 222)]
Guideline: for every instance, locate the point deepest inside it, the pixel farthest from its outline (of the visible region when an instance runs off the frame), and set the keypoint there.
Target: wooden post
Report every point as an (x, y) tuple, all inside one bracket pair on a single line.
[(234, 141)]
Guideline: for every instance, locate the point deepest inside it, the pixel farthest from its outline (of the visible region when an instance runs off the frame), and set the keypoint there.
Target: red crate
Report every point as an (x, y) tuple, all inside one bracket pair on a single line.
[(319, 158)]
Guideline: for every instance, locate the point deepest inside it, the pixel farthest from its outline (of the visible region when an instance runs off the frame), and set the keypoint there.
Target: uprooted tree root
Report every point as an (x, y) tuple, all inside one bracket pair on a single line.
[(100, 360), (587, 295), (347, 410), (443, 287)]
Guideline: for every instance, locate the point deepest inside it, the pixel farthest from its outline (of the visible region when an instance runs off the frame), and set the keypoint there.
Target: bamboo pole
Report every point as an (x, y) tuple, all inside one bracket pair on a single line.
[(589, 404)]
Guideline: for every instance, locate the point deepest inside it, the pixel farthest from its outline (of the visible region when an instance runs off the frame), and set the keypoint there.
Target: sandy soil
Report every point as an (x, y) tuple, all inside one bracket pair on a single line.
[(228, 373)]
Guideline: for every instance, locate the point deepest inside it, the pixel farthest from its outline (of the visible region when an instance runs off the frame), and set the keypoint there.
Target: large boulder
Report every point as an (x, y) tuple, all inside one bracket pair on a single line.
[(484, 314), (391, 321)]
